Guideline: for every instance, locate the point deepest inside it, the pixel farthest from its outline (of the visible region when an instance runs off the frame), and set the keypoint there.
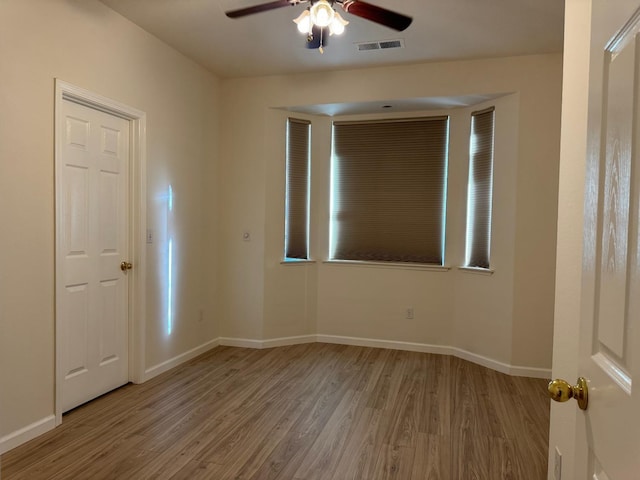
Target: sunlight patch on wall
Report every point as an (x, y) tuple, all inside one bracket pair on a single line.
[(169, 253)]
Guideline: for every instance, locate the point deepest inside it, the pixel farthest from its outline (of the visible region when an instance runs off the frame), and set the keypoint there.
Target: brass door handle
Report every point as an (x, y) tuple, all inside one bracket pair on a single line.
[(124, 266), (561, 391)]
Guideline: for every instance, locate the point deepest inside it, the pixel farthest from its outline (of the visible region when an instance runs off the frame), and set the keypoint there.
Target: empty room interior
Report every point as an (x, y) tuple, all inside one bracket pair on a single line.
[(251, 342)]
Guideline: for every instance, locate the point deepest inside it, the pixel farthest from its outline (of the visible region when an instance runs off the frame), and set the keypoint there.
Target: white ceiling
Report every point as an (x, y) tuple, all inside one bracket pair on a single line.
[(268, 43)]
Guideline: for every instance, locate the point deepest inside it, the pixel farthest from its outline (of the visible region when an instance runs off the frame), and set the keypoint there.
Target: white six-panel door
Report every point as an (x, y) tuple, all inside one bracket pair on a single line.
[(608, 432), (92, 289)]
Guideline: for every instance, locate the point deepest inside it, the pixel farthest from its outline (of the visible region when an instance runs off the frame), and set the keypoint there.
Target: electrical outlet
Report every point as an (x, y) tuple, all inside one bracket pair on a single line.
[(408, 314), (557, 466)]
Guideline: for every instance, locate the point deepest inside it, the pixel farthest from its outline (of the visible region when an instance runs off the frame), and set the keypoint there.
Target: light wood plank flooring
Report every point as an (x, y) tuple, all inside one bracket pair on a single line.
[(303, 412)]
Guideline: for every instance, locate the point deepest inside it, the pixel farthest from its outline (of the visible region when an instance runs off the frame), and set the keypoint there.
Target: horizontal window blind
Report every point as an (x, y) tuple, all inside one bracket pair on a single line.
[(389, 182), (480, 189), (297, 189)]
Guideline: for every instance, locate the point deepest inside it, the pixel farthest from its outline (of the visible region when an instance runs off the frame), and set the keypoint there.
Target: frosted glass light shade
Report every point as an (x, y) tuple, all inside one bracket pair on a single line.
[(336, 27), (303, 22), (322, 13)]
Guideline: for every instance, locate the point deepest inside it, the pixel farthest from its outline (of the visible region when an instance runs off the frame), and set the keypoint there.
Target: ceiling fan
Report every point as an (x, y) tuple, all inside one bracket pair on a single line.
[(321, 15)]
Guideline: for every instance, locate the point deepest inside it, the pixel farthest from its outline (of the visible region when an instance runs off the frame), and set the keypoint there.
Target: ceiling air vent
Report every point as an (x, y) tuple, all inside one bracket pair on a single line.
[(382, 45)]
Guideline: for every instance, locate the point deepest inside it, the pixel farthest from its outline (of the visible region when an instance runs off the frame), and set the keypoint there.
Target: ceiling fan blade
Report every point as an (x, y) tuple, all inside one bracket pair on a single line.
[(376, 14), (264, 7)]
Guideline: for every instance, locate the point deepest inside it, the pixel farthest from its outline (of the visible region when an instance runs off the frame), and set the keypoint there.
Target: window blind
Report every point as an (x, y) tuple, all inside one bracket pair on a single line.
[(479, 190), (297, 189), (389, 182)]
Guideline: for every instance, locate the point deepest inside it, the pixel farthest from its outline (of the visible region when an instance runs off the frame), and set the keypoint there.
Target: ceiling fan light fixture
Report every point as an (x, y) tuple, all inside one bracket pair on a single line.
[(303, 22), (322, 13), (320, 17)]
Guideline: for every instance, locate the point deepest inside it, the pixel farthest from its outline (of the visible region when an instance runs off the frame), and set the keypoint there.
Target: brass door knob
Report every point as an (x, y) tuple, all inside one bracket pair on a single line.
[(561, 391), (124, 266)]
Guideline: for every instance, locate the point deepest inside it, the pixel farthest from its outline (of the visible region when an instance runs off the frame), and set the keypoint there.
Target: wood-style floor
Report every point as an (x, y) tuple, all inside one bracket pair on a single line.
[(303, 412)]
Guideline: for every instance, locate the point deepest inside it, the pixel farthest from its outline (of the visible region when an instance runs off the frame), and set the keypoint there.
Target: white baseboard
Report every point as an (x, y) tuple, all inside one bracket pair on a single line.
[(240, 342), (27, 433), (534, 372), (393, 345), (517, 371), (481, 360), (284, 341), (156, 370), (513, 370), (269, 343)]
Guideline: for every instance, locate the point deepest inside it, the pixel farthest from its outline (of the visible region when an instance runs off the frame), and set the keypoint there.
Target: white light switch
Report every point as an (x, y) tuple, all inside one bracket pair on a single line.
[(149, 235), (557, 467)]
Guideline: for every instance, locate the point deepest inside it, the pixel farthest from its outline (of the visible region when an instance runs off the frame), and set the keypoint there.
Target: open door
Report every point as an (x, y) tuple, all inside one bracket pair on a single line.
[(607, 433)]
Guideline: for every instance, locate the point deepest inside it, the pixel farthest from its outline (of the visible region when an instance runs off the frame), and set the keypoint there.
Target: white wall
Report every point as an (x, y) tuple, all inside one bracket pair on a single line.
[(86, 44), (506, 317)]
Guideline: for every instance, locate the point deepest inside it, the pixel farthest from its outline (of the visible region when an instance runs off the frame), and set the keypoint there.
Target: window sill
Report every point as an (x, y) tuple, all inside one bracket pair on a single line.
[(297, 262), (477, 270), (396, 266)]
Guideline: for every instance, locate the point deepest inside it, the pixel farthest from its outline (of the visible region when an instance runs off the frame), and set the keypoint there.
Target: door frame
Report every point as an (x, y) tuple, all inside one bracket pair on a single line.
[(137, 225)]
